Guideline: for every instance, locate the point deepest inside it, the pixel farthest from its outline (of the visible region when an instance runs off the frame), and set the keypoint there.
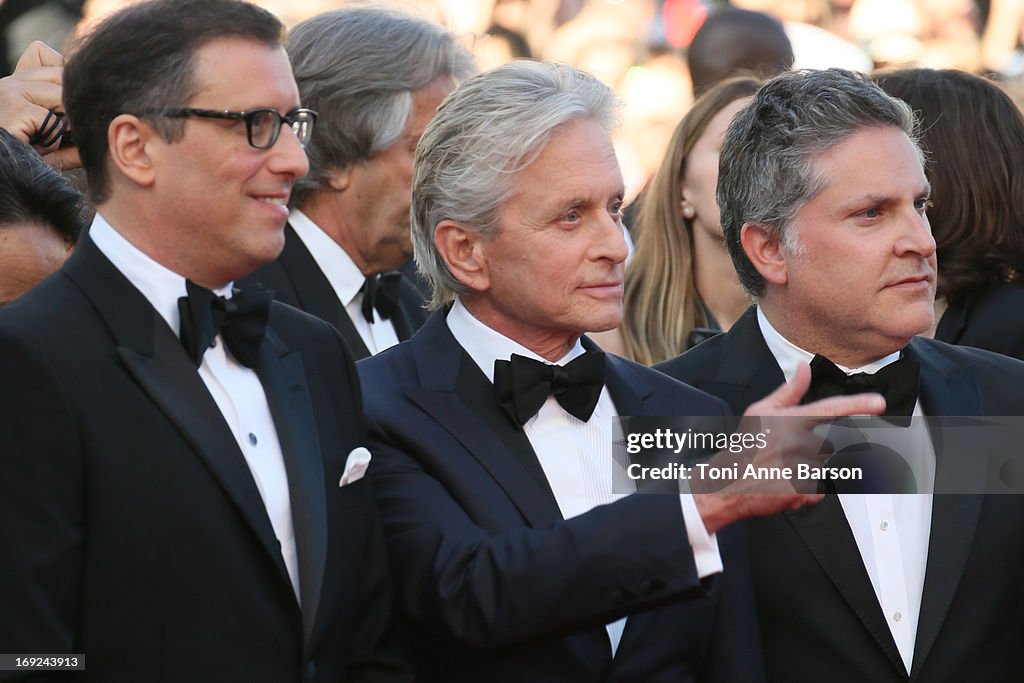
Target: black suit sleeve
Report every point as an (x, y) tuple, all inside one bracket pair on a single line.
[(41, 506), (494, 589)]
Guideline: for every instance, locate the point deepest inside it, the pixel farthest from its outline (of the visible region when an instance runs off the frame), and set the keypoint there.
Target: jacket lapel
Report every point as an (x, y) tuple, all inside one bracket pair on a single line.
[(748, 372), (947, 389), (314, 291), (156, 359), (456, 393), (826, 533), (628, 390), (284, 381)]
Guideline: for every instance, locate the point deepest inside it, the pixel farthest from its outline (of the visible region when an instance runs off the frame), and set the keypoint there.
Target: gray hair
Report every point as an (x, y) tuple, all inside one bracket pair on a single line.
[(357, 67), (487, 131), (766, 168)]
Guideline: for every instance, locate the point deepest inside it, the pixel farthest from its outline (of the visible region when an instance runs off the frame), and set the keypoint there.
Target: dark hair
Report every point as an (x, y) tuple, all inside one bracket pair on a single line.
[(973, 135), (32, 192), (767, 166), (141, 58), (731, 41)]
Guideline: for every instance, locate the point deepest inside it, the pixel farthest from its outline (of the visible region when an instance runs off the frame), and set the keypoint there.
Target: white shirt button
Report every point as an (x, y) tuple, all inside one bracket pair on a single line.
[(897, 615), (884, 525)]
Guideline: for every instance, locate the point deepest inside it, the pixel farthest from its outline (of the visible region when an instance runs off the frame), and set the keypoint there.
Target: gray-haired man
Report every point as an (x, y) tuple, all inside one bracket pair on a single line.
[(375, 77), (515, 560)]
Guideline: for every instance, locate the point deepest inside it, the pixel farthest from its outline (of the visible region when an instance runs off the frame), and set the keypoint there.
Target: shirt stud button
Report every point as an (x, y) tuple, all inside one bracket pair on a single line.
[(252, 438)]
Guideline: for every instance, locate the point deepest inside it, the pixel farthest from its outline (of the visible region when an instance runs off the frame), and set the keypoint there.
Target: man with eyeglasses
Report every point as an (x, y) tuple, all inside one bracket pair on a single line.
[(181, 491), (376, 77)]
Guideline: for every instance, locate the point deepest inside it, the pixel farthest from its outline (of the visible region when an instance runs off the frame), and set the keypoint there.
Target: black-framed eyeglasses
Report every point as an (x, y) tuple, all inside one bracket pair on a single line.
[(262, 126)]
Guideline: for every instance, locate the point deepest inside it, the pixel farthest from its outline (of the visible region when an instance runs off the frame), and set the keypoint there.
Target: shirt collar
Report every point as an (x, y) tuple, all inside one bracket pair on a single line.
[(337, 266), (789, 356), (161, 286), (485, 345)]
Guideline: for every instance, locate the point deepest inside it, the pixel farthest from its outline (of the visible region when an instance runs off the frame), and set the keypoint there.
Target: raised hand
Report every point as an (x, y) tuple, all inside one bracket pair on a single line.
[(792, 441)]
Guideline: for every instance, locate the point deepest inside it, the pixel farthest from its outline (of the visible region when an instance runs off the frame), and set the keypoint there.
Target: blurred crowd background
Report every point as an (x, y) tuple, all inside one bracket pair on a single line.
[(639, 47)]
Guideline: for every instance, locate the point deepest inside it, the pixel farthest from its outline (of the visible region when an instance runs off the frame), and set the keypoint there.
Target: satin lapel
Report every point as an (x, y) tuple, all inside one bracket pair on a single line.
[(628, 390), (315, 293), (456, 393), (826, 533), (156, 359), (348, 330), (284, 381), (747, 371), (947, 389)]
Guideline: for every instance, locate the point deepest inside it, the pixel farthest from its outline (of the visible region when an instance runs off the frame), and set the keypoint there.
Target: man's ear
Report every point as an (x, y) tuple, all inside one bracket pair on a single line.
[(130, 143), (764, 249), (464, 252), (338, 179)]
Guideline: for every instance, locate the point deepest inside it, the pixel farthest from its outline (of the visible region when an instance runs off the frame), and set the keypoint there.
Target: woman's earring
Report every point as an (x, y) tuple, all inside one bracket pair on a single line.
[(688, 212)]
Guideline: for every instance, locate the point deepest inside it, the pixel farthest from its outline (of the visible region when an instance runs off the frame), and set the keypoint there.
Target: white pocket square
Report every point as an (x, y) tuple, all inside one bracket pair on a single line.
[(355, 466)]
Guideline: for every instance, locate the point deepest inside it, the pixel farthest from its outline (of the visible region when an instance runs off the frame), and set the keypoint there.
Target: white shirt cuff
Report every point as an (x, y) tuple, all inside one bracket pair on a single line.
[(704, 545)]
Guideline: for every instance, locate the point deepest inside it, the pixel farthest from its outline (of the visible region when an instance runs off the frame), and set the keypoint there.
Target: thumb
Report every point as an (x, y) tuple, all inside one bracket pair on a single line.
[(38, 54)]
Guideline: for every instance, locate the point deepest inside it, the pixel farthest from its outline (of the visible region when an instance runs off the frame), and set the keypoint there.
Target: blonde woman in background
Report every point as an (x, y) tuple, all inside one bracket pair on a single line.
[(680, 285)]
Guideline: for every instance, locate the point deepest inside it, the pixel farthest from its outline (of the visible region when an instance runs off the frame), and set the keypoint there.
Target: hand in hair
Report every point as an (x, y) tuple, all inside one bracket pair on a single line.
[(31, 93)]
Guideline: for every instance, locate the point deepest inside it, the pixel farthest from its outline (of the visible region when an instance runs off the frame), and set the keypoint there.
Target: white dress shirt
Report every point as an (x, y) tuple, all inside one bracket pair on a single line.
[(891, 531), (576, 456), (346, 280), (235, 388)]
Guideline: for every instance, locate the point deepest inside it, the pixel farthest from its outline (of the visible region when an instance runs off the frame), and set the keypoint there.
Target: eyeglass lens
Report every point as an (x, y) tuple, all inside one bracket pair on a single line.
[(265, 125)]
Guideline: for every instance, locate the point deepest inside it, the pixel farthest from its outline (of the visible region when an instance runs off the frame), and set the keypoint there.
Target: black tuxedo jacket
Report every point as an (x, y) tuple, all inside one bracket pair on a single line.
[(297, 280), (494, 585), (818, 612), (133, 531)]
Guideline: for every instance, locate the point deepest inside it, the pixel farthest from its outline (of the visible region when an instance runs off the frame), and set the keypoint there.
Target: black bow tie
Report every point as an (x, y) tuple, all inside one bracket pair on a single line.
[(380, 291), (897, 382), (522, 385), (241, 320)]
